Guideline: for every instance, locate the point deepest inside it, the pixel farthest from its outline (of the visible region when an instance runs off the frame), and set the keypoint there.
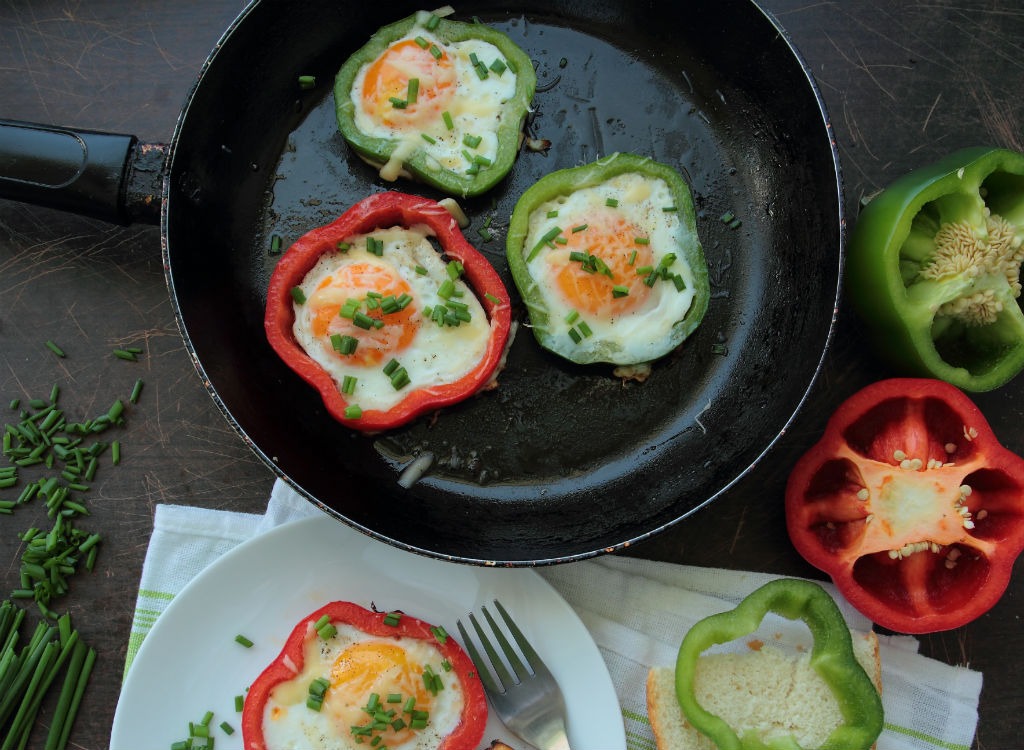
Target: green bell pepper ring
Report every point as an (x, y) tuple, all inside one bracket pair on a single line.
[(436, 102), (933, 269), (832, 657), (547, 235)]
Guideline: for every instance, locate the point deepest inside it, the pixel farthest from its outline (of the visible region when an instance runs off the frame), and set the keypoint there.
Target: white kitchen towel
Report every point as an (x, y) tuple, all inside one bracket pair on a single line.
[(636, 610)]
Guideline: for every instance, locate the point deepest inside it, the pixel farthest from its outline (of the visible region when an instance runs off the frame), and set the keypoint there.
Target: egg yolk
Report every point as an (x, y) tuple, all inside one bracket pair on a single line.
[(365, 284), (384, 669), (608, 284), (387, 95)]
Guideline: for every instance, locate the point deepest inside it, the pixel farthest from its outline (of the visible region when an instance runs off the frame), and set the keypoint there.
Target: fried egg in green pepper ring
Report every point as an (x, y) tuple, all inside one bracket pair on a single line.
[(436, 100), (607, 259)]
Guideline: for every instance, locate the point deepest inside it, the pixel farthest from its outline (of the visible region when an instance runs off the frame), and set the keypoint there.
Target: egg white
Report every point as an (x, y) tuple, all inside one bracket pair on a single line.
[(645, 332), (289, 725), (475, 110), (436, 356)]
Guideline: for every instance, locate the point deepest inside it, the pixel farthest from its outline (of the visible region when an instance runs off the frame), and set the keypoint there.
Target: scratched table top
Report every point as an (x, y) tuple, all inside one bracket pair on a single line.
[(905, 83)]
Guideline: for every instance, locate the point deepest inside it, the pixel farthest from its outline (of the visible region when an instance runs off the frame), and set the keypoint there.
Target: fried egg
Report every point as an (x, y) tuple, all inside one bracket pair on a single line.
[(356, 667), (442, 99), (386, 315), (607, 278)]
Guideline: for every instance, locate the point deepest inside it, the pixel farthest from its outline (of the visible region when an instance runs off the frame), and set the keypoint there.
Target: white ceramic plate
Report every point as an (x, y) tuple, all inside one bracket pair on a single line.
[(190, 663)]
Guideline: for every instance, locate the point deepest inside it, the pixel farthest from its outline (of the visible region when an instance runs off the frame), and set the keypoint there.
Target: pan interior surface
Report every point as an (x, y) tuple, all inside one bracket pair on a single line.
[(560, 461)]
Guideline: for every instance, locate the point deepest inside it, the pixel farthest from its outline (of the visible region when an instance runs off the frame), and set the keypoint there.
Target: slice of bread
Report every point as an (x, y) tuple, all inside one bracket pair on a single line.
[(765, 689)]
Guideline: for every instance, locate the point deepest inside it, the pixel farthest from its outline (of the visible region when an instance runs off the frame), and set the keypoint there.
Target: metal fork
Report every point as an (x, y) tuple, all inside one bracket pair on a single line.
[(527, 699)]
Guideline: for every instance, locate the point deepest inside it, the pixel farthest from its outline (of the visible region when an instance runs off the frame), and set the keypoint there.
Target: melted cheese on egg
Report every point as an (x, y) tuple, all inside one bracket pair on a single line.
[(358, 665), (590, 254), (408, 268)]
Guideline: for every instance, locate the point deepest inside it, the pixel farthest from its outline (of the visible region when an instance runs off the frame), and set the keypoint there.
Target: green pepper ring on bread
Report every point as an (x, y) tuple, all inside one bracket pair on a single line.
[(733, 701)]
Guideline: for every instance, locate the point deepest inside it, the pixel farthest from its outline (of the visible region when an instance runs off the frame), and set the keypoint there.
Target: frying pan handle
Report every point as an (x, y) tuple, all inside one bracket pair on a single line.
[(103, 175)]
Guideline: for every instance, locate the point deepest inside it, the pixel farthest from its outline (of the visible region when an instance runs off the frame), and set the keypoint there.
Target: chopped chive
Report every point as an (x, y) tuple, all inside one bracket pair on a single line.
[(343, 246), (620, 290), (485, 234), (349, 309), (546, 239), (362, 320), (611, 202), (575, 336), (375, 246), (392, 619), (400, 379), (298, 295), (136, 391), (432, 22), (55, 349), (572, 317), (735, 224), (498, 66), (669, 209), (472, 141), (726, 217), (344, 344), (579, 228), (239, 703), (397, 103), (552, 214), (227, 728), (423, 43), (440, 634), (492, 298), (275, 243), (352, 411), (413, 90), (632, 258), (429, 139), (448, 122), (585, 329), (243, 640), (307, 82), (125, 355), (436, 52), (642, 240), (348, 385), (446, 290), (115, 452), (454, 269)]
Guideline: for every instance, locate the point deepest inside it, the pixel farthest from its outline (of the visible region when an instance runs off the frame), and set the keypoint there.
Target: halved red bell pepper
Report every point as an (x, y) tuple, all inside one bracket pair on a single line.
[(453, 666), (911, 505), (384, 210)]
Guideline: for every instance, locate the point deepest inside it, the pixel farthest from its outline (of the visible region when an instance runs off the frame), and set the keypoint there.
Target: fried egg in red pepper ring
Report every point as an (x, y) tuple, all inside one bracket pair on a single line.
[(348, 677), (385, 326)]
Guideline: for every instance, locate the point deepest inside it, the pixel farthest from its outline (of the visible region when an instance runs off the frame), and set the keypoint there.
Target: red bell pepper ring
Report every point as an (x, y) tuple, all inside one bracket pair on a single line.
[(911, 505), (387, 625), (384, 210)]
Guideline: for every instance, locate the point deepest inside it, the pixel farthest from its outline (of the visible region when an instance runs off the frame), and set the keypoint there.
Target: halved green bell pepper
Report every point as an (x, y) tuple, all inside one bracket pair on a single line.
[(679, 265), (832, 657), (400, 151), (934, 264)]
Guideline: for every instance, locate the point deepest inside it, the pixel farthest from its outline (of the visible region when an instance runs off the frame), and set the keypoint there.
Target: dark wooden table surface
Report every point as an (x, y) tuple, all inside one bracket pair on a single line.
[(905, 83)]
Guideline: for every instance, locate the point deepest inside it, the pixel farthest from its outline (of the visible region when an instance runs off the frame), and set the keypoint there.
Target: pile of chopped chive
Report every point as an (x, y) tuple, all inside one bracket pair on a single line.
[(65, 456)]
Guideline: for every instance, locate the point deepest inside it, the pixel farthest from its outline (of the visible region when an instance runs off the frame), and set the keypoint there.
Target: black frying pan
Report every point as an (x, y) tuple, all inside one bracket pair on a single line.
[(562, 461)]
